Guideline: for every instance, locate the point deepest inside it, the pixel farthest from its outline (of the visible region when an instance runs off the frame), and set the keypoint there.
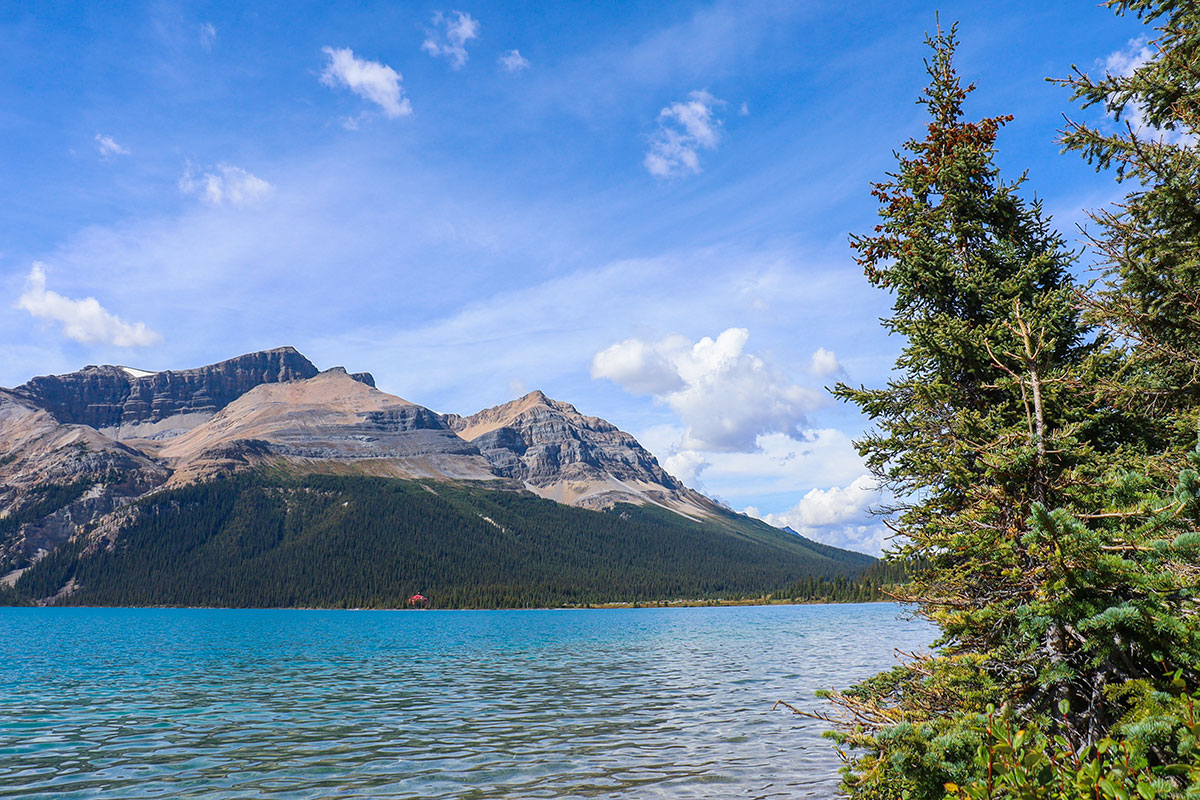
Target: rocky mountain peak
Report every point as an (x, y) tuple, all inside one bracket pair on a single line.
[(330, 422), (127, 402), (567, 456), (362, 377)]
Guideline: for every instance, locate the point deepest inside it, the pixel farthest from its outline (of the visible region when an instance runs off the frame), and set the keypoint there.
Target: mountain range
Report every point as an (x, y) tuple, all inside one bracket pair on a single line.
[(91, 459)]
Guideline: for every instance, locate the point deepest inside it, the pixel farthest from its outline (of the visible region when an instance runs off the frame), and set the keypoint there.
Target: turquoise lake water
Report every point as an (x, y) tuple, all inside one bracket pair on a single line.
[(637, 703)]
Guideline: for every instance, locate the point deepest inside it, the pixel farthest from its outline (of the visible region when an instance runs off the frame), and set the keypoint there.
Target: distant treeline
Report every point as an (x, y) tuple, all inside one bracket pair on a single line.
[(337, 541), (876, 582)]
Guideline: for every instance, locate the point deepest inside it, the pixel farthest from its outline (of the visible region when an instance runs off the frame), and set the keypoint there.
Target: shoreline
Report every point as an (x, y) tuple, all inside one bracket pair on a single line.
[(579, 607)]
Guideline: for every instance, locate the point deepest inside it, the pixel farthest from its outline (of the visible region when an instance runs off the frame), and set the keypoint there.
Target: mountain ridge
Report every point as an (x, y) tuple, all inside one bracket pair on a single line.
[(273, 412)]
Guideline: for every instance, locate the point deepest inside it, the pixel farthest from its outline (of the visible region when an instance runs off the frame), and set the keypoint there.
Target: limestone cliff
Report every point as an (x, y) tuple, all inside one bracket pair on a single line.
[(331, 422), (74, 448), (572, 458), (128, 403)]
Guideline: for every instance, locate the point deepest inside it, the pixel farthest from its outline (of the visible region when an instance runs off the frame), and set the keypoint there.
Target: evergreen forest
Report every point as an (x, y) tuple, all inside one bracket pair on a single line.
[(273, 540)]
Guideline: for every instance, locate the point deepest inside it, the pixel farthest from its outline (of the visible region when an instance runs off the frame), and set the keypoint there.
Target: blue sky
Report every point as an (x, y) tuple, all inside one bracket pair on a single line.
[(476, 200)]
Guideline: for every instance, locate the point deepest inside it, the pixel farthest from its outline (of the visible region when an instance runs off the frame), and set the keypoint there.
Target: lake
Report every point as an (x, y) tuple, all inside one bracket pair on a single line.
[(623, 703)]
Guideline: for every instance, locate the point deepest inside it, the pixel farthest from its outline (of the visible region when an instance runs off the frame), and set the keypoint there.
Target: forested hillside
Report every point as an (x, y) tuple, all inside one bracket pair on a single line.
[(262, 541)]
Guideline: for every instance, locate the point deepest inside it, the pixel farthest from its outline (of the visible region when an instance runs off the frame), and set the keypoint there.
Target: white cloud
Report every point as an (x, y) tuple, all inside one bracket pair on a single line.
[(82, 320), (822, 507), (839, 516), (108, 147), (225, 184), (684, 129), (208, 35), (1123, 63), (686, 465), (513, 61), (726, 398), (781, 466), (450, 35), (370, 80), (642, 367), (824, 363), (784, 463)]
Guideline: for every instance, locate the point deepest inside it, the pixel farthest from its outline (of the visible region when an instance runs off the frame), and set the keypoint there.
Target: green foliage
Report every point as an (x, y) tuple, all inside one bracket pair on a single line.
[(43, 501), (1025, 763), (329, 541), (1150, 242), (1039, 474)]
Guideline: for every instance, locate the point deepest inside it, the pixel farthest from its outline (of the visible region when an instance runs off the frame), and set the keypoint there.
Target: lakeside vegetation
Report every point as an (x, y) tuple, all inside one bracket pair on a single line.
[(1040, 436), (273, 540)]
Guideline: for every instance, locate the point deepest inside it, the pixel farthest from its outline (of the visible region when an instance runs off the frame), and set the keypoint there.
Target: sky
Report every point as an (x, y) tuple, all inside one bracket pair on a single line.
[(640, 209)]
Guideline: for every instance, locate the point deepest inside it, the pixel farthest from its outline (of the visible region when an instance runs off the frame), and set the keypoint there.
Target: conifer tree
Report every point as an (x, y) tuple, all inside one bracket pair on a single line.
[(1149, 293), (1056, 571)]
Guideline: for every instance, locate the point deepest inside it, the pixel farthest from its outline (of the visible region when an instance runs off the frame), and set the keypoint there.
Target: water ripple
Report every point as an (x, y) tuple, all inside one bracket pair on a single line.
[(454, 705)]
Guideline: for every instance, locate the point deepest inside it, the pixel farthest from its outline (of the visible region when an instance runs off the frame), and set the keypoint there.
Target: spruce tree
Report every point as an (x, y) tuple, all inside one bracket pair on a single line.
[(1149, 244), (1059, 585)]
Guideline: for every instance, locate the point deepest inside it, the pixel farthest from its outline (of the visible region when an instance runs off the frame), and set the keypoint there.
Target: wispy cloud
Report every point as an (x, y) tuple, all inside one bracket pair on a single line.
[(449, 36), (513, 61), (208, 35), (225, 184), (684, 129), (108, 147), (1126, 61), (82, 320), (370, 80)]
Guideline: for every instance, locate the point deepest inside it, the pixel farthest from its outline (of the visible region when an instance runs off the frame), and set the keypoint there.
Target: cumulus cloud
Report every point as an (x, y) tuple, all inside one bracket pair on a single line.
[(643, 367), (684, 129), (370, 80), (513, 61), (824, 363), (82, 320), (687, 465), (726, 398), (108, 147), (225, 184), (449, 36), (208, 35), (1123, 63), (839, 515)]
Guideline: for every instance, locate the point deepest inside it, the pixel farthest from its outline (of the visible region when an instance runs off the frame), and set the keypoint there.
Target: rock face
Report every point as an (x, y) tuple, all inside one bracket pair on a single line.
[(126, 403), (75, 448), (55, 478), (331, 422), (565, 456)]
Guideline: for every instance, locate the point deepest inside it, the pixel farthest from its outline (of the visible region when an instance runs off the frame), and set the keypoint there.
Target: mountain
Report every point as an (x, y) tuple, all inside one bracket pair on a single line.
[(331, 422), (264, 465), (57, 478), (562, 455), (255, 540), (128, 403)]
